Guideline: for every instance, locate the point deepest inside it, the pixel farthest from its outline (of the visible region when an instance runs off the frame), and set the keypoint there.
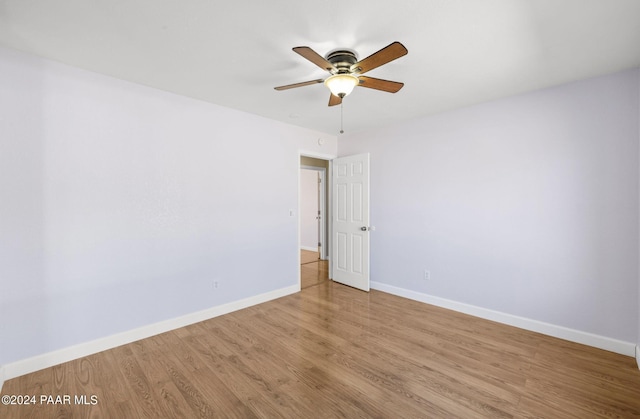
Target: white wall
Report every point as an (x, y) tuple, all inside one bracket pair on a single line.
[(526, 206), (120, 205), (309, 209)]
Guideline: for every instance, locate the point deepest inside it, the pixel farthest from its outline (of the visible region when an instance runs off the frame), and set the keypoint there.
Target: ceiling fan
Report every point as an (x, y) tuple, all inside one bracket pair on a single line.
[(346, 71)]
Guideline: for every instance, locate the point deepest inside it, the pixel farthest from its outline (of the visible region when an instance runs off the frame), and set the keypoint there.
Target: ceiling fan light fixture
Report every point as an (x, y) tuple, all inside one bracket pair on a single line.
[(341, 84)]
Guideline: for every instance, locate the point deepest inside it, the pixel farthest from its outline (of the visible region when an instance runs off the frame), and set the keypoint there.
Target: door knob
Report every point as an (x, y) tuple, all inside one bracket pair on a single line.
[(363, 228)]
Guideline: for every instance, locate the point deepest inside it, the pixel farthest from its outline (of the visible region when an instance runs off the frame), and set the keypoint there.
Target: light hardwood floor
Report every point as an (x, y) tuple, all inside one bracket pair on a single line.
[(333, 351), (307, 256), (313, 270)]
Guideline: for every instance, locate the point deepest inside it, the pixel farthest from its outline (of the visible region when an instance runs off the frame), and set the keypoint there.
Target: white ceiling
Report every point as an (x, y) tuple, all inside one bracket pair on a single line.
[(233, 53)]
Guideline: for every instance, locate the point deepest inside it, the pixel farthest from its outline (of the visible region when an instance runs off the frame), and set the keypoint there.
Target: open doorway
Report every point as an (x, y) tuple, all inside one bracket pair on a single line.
[(314, 225), (313, 210)]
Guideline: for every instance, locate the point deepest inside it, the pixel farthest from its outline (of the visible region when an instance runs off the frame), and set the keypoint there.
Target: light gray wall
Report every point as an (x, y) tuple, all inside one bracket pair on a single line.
[(527, 205), (120, 205)]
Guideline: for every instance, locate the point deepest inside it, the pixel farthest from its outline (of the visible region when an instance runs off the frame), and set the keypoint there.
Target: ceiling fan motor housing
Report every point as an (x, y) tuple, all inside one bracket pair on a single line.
[(342, 59)]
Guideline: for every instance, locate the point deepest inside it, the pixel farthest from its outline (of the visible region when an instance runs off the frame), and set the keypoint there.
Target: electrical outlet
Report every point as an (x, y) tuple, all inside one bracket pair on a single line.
[(427, 275)]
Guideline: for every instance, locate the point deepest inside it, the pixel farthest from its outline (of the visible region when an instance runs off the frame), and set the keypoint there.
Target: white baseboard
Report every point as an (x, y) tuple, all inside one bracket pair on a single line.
[(602, 342), (29, 365), (311, 249), (637, 357)]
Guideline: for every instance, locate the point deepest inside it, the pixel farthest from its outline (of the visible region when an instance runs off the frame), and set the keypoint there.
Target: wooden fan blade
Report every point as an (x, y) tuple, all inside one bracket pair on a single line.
[(380, 84), (334, 100), (304, 83), (315, 58), (375, 60)]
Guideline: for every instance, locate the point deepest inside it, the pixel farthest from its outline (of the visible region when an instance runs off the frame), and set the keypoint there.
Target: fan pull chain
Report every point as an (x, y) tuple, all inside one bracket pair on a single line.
[(341, 119)]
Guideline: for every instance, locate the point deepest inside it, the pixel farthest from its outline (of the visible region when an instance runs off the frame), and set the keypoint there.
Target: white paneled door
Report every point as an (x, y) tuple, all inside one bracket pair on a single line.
[(351, 221)]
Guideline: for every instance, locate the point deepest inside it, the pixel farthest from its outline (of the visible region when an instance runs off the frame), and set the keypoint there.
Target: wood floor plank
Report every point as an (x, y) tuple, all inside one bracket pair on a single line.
[(197, 379), (138, 382), (313, 271), (207, 394), (225, 367), (333, 351), (162, 384)]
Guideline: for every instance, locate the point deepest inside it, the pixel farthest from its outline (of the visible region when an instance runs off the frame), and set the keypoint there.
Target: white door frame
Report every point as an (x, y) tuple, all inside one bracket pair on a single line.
[(329, 158)]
